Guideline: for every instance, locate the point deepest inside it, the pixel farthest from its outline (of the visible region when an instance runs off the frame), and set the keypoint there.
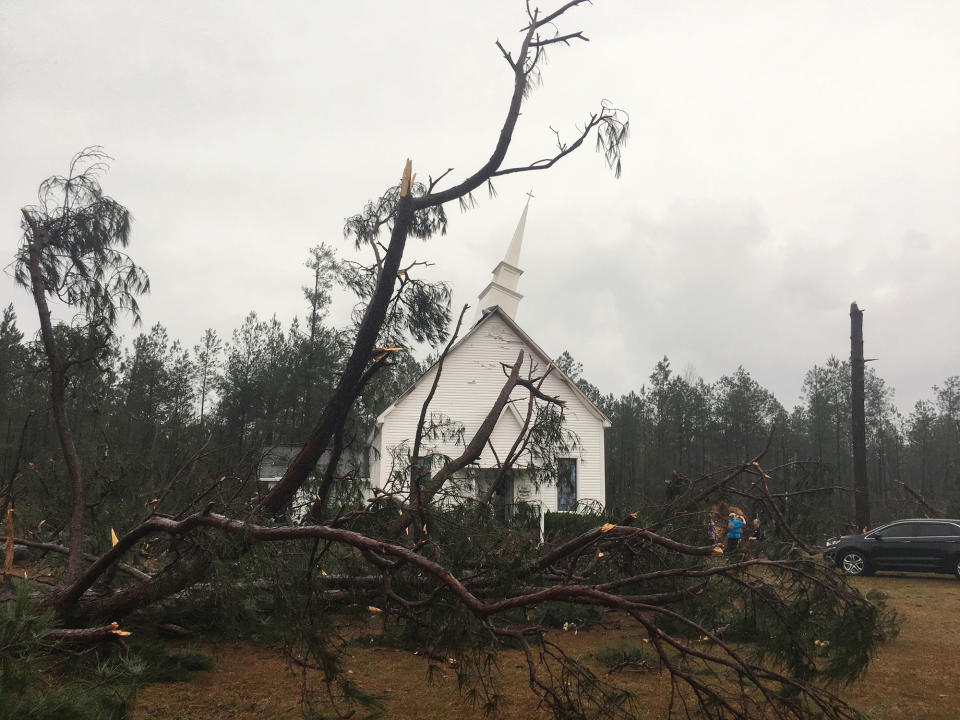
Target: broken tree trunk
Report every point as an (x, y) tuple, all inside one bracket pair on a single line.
[(861, 493), (922, 501)]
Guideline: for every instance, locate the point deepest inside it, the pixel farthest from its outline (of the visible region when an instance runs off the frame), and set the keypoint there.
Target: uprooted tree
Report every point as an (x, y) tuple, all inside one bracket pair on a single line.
[(740, 636)]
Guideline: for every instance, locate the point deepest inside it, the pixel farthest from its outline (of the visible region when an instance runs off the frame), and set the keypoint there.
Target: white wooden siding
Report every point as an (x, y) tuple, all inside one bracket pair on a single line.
[(472, 378)]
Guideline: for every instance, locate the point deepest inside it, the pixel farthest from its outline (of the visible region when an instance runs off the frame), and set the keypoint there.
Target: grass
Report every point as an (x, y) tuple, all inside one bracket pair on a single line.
[(175, 667)]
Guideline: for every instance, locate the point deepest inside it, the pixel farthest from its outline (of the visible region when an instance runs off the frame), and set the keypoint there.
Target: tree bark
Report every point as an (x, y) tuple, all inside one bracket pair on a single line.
[(861, 491)]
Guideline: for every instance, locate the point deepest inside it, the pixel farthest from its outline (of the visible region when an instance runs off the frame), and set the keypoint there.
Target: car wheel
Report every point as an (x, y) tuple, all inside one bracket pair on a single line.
[(956, 567), (854, 563)]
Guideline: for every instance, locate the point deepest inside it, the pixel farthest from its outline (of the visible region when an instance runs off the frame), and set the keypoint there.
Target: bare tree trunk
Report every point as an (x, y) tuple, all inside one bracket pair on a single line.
[(203, 395), (58, 382), (8, 488), (8, 551), (861, 492), (312, 349)]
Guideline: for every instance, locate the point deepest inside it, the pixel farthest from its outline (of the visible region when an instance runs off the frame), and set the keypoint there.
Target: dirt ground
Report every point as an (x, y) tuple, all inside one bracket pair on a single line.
[(913, 676)]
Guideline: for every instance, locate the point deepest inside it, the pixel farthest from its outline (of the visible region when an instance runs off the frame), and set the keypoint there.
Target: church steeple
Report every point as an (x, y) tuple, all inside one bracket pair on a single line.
[(502, 289)]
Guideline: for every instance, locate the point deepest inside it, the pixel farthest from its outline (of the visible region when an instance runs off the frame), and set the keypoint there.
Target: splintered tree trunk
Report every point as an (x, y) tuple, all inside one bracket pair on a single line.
[(861, 496)]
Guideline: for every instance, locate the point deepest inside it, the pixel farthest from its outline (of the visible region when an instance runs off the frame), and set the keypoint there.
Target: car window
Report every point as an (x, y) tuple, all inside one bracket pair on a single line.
[(898, 530), (934, 529)]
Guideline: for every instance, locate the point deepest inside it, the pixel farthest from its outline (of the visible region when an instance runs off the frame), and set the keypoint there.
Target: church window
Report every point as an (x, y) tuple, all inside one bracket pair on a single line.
[(423, 467), (566, 483)]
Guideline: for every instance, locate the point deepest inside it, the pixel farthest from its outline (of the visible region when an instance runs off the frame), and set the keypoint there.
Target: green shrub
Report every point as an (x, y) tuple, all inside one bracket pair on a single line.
[(45, 682), (41, 680), (562, 526)]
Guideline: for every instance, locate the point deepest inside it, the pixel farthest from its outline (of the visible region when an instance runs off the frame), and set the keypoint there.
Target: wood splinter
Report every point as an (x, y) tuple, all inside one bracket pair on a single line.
[(406, 181)]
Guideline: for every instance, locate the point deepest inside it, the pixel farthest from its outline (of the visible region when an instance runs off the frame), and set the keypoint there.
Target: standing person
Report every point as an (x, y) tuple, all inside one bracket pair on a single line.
[(712, 530), (734, 529), (757, 536)]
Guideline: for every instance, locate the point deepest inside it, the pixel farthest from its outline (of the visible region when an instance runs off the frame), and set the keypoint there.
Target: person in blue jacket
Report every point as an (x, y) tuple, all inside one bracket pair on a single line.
[(734, 531)]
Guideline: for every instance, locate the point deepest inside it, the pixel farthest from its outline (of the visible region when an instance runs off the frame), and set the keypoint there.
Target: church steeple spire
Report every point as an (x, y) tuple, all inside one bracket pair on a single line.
[(502, 289)]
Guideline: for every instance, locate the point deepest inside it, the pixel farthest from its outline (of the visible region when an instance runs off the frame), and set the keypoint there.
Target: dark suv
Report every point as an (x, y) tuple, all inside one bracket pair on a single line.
[(921, 545)]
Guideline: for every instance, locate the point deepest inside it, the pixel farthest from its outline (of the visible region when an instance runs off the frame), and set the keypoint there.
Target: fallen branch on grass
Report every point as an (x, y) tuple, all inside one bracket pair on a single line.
[(87, 635)]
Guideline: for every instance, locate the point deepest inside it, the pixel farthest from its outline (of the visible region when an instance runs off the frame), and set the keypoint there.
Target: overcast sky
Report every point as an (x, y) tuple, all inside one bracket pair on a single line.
[(785, 159)]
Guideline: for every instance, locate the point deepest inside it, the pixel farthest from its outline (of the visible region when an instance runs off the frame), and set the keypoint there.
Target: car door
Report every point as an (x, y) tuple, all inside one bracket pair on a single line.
[(936, 543), (951, 547), (891, 547)]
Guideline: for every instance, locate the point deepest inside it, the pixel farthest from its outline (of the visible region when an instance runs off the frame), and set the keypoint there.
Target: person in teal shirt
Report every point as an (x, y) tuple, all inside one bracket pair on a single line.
[(734, 531)]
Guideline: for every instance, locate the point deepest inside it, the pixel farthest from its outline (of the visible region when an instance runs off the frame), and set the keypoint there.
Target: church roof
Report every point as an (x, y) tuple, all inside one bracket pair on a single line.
[(511, 323)]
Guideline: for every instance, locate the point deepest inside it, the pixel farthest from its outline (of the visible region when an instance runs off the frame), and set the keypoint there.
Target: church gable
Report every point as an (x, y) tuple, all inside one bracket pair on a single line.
[(473, 373)]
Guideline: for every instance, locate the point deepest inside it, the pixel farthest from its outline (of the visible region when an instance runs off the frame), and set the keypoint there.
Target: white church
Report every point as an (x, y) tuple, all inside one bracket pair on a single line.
[(470, 381)]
